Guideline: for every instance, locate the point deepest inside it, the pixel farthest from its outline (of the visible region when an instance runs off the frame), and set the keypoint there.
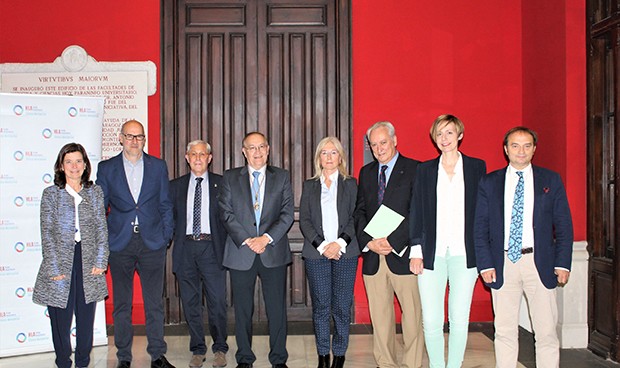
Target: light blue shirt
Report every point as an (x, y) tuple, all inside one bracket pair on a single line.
[(134, 174)]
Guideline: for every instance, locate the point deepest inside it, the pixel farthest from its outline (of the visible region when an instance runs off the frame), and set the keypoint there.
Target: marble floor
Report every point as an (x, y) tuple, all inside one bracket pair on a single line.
[(301, 350)]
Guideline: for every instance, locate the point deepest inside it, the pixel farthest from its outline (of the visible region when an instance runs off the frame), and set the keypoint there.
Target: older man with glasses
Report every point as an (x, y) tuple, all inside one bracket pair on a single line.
[(257, 245)]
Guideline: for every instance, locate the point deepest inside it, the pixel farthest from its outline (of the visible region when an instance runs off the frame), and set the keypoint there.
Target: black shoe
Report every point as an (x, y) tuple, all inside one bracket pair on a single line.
[(123, 364), (338, 361), (161, 362), (244, 365), (323, 361), (279, 365)]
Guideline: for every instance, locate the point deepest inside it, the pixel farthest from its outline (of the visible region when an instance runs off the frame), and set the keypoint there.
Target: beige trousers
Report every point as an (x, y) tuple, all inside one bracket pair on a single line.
[(380, 289), (522, 277)]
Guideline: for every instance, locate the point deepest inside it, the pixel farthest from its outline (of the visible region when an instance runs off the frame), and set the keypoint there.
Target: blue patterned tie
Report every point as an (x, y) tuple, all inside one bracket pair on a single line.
[(516, 223), (197, 203), (382, 183), (256, 198)]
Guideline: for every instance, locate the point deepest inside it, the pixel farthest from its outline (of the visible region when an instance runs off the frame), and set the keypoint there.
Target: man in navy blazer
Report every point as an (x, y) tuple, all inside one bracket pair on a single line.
[(197, 253), (256, 205), (523, 246), (135, 188), (386, 260)]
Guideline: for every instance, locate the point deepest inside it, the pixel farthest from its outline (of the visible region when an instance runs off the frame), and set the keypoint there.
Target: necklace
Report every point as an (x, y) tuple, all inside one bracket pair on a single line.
[(257, 193)]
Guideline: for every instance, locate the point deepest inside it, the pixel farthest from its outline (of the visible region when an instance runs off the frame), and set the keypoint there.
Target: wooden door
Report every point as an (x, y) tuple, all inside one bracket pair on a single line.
[(603, 64), (235, 66)]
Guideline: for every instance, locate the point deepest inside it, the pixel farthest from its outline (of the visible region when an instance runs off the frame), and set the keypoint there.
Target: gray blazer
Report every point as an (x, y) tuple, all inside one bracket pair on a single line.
[(57, 241), (237, 212), (311, 220)]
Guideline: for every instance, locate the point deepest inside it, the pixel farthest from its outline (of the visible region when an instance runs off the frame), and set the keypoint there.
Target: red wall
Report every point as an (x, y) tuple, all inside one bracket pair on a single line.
[(495, 64)]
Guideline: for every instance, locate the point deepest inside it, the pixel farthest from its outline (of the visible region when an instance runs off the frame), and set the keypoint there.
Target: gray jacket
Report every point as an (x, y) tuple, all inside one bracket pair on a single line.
[(58, 244)]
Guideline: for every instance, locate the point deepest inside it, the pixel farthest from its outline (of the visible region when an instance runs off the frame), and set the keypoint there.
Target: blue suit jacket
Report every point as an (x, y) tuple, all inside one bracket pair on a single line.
[(178, 194), (237, 212), (553, 226), (311, 217), (153, 209), (423, 215)]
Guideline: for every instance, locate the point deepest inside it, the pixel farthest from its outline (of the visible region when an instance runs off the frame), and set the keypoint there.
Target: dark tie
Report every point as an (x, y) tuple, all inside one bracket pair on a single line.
[(515, 242), (256, 190), (382, 182), (197, 203)]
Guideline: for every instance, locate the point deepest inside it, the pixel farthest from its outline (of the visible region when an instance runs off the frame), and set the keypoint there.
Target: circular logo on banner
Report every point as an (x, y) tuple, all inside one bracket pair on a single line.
[(21, 337), (47, 133), (19, 201), (47, 178), (72, 112), (18, 155), (19, 247), (18, 110), (20, 292)]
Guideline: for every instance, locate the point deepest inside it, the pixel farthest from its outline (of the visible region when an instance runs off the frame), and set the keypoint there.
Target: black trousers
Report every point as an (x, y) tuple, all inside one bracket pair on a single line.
[(273, 282), (149, 264), (200, 268), (61, 318)]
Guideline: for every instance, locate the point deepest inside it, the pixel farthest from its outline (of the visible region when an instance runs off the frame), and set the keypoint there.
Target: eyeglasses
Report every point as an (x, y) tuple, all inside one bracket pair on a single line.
[(130, 137), (262, 148), (329, 153)]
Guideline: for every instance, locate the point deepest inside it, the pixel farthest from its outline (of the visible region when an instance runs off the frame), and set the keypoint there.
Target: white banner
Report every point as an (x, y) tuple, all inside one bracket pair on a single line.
[(33, 128)]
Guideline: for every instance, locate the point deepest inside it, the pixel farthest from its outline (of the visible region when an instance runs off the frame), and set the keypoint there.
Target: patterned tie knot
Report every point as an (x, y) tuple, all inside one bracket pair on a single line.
[(199, 180), (383, 168), (520, 173), (256, 174)]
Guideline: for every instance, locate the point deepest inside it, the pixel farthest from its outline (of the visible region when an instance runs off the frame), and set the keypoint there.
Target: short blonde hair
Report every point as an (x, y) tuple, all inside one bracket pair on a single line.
[(342, 166), (442, 121)]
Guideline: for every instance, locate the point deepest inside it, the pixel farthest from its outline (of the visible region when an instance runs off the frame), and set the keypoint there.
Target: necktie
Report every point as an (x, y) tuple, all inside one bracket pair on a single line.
[(197, 203), (516, 223), (256, 198), (382, 183)]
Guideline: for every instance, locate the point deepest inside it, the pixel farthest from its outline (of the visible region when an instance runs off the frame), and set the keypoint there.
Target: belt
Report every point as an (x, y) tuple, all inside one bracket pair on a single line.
[(199, 237), (136, 229), (525, 250)]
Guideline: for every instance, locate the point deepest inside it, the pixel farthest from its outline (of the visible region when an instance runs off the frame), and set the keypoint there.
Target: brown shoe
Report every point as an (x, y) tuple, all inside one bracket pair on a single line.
[(196, 361), (219, 359)]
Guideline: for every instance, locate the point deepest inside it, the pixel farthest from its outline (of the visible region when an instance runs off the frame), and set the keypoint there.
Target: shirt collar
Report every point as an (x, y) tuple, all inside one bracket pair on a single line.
[(459, 163), (511, 170), (262, 170), (333, 177)]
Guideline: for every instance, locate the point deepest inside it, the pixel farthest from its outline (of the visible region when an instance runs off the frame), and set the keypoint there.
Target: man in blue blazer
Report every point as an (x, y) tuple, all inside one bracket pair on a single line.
[(197, 253), (256, 205), (389, 181), (135, 188), (523, 235)]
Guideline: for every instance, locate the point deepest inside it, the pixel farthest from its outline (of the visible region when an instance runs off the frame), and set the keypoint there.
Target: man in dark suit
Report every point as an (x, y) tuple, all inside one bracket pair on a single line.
[(389, 181), (135, 188), (524, 240), (256, 205), (197, 254)]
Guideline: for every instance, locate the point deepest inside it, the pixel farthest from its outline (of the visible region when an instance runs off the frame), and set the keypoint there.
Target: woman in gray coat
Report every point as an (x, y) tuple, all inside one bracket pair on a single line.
[(74, 239), (330, 248)]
